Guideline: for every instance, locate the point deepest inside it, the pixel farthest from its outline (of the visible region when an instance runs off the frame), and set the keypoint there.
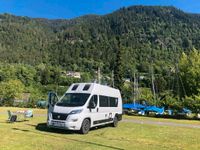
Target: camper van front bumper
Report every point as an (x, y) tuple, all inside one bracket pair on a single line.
[(72, 123), (63, 125)]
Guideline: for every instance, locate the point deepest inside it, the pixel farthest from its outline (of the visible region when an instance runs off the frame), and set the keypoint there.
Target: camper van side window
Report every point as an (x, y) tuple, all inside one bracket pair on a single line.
[(94, 100), (113, 102), (103, 101)]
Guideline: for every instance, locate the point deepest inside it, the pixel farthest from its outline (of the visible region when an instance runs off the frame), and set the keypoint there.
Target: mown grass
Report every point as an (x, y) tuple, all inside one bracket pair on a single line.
[(185, 121), (33, 134)]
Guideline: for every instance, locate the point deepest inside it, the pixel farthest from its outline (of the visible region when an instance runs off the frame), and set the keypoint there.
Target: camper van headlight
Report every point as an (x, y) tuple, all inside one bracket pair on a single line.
[(76, 111)]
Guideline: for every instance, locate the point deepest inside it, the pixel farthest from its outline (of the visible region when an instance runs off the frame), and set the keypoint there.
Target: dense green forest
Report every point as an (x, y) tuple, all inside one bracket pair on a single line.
[(147, 34), (35, 51)]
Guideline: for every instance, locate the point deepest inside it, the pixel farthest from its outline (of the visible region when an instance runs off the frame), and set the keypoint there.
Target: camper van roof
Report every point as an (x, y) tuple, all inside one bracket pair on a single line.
[(92, 88)]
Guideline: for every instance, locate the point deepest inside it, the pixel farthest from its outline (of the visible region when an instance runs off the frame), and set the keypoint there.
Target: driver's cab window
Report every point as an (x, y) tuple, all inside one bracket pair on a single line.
[(53, 98), (94, 100)]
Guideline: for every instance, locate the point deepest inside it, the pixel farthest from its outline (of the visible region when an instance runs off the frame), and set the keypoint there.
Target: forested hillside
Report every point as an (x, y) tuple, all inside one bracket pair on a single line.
[(146, 33), (34, 52)]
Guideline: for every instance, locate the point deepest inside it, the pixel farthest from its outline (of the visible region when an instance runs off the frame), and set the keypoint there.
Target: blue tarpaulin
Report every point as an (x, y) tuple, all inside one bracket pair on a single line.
[(143, 108), (187, 111), (156, 109), (134, 106)]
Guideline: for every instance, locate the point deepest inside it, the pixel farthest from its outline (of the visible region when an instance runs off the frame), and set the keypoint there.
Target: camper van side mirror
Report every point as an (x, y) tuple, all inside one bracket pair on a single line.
[(91, 105)]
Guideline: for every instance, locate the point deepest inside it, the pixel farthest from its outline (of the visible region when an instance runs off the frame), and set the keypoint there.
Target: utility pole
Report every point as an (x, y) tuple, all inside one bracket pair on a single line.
[(112, 78), (134, 88), (99, 75), (152, 82)]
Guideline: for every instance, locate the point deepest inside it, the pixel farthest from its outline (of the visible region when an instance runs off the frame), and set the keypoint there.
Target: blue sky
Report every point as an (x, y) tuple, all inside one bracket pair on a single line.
[(73, 8)]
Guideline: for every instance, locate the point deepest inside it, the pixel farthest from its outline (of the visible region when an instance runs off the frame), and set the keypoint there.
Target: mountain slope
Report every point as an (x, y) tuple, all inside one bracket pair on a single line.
[(147, 34)]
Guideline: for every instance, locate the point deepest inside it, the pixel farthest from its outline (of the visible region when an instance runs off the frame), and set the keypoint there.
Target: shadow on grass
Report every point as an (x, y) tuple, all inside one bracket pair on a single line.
[(43, 127), (24, 130), (45, 130), (21, 121)]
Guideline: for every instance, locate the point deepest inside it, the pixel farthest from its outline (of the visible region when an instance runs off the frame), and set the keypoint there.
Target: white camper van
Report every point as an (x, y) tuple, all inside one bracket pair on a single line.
[(83, 106)]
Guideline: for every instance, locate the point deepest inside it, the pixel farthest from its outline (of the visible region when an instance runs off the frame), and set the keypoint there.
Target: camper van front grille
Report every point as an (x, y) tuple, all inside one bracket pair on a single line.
[(59, 116)]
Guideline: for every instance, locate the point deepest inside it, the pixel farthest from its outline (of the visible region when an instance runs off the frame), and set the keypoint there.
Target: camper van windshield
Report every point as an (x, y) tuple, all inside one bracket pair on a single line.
[(73, 99)]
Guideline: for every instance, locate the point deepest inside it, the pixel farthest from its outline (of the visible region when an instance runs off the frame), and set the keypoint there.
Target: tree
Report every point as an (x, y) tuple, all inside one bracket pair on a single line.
[(11, 90), (190, 75), (189, 66), (118, 68), (192, 103)]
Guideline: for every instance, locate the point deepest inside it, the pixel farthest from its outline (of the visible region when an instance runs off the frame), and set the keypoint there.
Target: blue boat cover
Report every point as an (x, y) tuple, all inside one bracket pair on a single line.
[(134, 106), (140, 107), (156, 109), (187, 111)]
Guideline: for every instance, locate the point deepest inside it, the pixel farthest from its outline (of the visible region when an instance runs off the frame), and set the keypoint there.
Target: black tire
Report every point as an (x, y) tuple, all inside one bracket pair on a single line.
[(85, 126), (115, 122)]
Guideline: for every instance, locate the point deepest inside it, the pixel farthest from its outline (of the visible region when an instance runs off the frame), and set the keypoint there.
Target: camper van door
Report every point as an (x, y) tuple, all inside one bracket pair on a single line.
[(52, 100), (94, 108)]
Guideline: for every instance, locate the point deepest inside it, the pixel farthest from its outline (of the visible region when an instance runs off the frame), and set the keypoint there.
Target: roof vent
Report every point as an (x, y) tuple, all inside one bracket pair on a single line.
[(86, 87), (74, 87)]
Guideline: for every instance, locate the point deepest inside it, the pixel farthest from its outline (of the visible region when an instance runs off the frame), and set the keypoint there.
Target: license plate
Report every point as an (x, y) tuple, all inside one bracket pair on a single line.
[(58, 124)]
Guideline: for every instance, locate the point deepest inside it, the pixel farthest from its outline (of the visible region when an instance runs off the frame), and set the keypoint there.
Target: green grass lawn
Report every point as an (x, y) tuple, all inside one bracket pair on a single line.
[(33, 134), (185, 121)]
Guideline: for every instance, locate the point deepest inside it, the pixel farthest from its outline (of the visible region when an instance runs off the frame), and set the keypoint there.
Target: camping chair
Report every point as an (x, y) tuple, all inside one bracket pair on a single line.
[(11, 116), (23, 114)]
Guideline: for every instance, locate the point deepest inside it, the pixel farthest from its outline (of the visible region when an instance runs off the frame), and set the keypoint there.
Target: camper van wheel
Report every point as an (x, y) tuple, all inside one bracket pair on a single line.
[(115, 122), (85, 126)]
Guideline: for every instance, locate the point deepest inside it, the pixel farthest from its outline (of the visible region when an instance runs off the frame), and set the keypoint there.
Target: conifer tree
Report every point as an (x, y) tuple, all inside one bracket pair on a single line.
[(118, 67)]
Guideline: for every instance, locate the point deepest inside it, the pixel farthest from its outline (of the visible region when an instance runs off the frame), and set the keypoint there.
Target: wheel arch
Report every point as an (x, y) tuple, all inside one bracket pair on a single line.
[(119, 116), (88, 119)]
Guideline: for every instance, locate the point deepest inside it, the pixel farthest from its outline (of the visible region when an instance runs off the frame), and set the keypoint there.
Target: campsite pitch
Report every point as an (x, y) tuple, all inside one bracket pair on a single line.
[(33, 134)]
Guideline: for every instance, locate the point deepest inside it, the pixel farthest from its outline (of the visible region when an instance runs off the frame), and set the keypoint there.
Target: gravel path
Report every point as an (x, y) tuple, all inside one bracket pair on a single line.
[(161, 123)]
